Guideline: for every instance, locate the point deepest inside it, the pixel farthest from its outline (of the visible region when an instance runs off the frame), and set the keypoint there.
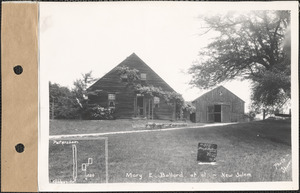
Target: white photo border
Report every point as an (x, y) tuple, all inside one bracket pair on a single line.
[(43, 151)]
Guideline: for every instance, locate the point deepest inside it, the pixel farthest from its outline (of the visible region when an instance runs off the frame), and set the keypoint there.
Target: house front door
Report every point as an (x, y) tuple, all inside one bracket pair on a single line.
[(149, 108), (140, 106)]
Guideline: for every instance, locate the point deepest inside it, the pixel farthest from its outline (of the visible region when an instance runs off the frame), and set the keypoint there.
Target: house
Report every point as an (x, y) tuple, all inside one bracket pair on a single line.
[(219, 105), (113, 92)]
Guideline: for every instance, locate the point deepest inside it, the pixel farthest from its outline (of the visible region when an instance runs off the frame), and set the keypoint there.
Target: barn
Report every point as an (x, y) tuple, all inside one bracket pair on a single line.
[(219, 105), (113, 92)]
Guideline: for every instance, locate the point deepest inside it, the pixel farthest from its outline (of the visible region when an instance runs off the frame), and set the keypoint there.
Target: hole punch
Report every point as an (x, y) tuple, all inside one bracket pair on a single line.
[(20, 148), (18, 69)]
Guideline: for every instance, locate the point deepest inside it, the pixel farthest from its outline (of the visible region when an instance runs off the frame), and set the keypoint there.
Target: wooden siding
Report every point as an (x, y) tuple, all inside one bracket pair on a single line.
[(133, 62), (164, 111), (125, 103), (232, 107)]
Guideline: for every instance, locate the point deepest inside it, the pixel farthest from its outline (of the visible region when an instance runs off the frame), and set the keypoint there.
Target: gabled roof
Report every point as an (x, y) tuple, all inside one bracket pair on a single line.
[(216, 89), (134, 62)]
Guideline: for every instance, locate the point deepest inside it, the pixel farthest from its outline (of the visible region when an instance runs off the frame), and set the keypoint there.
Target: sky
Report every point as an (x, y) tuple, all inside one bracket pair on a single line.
[(76, 38)]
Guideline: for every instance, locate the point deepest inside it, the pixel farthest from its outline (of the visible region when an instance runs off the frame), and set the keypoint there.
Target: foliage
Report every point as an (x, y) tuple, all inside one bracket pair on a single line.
[(248, 46), (134, 80), (188, 106), (70, 104), (80, 85), (277, 85), (158, 92), (98, 113), (65, 105), (79, 90), (131, 75), (251, 115)]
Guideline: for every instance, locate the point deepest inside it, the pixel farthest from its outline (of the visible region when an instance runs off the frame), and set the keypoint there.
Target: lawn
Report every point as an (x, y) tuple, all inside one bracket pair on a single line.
[(62, 159), (65, 127), (247, 152)]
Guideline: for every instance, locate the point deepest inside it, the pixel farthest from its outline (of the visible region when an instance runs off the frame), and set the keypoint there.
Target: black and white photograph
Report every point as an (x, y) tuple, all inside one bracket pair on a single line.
[(168, 96)]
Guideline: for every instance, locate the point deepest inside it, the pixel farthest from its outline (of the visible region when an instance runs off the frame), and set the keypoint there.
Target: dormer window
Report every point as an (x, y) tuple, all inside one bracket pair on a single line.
[(143, 76)]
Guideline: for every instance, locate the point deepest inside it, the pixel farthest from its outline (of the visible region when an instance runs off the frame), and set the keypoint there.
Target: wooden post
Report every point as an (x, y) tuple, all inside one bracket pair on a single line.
[(264, 114), (152, 108), (144, 107), (149, 115)]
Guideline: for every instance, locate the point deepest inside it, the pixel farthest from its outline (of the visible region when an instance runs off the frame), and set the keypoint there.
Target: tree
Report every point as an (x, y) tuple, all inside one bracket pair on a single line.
[(80, 85), (63, 103), (69, 104), (248, 46), (80, 93)]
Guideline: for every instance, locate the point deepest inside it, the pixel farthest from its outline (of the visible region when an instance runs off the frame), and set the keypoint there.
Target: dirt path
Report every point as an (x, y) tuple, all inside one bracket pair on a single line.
[(139, 131)]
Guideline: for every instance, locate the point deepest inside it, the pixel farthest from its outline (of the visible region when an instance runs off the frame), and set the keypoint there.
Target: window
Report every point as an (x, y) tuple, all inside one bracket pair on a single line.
[(143, 76), (111, 97), (111, 100)]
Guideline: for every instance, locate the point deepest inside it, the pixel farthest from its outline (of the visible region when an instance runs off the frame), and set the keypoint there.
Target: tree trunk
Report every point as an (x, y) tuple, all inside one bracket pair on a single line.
[(264, 114)]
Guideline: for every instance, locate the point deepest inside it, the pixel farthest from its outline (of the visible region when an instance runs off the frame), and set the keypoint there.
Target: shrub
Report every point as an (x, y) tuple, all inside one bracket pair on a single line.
[(97, 112)]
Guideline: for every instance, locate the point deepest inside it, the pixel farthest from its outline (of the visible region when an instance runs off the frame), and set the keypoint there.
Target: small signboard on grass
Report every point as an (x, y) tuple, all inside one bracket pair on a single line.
[(207, 153)]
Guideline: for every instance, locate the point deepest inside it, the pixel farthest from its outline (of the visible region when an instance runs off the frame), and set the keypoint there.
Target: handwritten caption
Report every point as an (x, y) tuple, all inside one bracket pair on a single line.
[(284, 164), (64, 142), (150, 175)]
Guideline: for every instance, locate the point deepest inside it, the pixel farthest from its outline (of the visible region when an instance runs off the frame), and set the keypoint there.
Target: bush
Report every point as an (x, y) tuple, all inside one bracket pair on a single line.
[(251, 115), (97, 112)]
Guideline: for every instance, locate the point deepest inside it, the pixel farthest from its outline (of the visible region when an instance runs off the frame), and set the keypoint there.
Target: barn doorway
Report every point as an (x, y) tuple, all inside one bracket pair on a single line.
[(217, 113)]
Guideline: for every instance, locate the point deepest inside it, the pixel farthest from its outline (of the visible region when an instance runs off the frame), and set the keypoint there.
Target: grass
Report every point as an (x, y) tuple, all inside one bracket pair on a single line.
[(64, 127), (247, 152), (61, 161)]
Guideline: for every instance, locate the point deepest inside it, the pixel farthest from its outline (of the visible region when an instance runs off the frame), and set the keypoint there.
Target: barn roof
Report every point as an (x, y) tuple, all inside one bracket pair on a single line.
[(134, 62), (215, 89)]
